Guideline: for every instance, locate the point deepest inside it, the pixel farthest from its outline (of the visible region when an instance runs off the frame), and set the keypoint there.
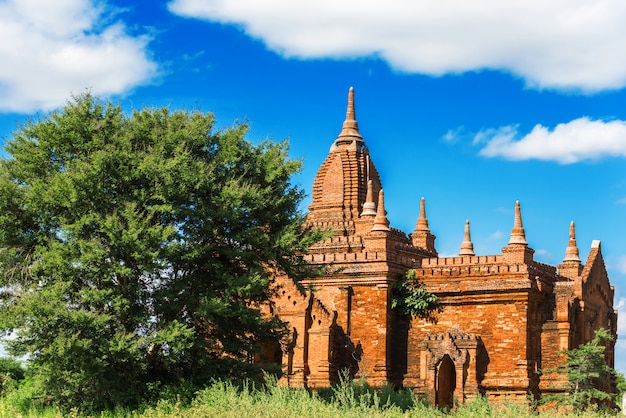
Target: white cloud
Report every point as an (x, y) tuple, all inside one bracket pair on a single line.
[(582, 139), (621, 265), (557, 44), (50, 50), (497, 235), (454, 135), (543, 253)]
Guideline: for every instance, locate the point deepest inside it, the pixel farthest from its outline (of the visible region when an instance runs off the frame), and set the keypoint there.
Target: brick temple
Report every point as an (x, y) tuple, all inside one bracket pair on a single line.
[(502, 317)]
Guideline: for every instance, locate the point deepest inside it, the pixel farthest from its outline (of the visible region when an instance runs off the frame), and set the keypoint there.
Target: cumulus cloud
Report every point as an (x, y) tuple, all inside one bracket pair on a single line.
[(582, 139), (50, 50), (557, 44)]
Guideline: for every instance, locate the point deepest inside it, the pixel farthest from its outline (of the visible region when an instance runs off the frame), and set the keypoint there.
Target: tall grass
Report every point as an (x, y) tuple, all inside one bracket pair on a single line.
[(347, 399)]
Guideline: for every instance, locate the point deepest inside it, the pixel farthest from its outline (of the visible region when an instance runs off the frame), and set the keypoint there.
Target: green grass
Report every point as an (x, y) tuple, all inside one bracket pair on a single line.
[(354, 399)]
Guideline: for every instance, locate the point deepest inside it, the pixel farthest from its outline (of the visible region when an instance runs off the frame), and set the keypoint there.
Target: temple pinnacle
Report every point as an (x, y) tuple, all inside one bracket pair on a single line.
[(421, 236), (381, 223), (350, 130), (571, 253), (350, 113), (518, 235), (422, 221), (369, 207), (467, 247)]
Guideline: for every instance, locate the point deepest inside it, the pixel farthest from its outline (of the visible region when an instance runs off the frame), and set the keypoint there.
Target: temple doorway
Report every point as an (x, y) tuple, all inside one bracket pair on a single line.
[(446, 383)]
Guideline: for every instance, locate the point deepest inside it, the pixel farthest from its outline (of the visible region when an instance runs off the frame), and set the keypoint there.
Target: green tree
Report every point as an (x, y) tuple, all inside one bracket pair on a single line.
[(136, 250), (11, 372), (621, 387), (410, 297), (587, 372)]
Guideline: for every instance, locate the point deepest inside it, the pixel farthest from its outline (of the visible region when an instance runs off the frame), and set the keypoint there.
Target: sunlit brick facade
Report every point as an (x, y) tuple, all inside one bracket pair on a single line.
[(503, 317)]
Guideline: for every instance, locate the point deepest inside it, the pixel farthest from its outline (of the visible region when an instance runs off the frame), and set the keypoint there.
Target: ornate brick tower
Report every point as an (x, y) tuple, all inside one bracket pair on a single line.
[(348, 323), (366, 255), (341, 185)]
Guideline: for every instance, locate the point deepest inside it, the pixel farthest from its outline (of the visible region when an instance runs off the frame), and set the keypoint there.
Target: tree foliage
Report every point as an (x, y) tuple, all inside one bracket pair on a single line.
[(11, 372), (621, 387), (136, 250), (410, 297), (12, 368), (587, 374)]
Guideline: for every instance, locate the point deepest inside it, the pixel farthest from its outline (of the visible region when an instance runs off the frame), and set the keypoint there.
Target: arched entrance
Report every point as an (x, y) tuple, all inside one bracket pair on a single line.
[(446, 383)]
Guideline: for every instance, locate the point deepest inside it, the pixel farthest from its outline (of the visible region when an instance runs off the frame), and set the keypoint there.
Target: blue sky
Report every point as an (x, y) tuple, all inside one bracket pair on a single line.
[(472, 105)]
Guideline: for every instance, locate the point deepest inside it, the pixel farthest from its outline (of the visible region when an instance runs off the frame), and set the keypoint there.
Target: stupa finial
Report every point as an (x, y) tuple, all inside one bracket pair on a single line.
[(467, 247), (369, 207), (422, 221), (518, 235), (571, 253), (381, 223), (350, 130)]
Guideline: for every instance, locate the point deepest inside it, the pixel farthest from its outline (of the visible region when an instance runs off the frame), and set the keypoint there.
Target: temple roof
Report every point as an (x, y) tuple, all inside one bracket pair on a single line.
[(340, 188)]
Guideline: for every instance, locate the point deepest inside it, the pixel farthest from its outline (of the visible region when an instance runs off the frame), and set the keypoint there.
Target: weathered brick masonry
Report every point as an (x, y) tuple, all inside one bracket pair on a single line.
[(503, 317)]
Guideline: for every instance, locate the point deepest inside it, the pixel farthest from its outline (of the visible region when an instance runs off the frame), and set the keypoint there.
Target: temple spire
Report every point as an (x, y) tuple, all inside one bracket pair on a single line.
[(350, 130), (422, 221), (369, 207), (571, 253), (467, 247), (421, 236), (518, 235), (381, 223)]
